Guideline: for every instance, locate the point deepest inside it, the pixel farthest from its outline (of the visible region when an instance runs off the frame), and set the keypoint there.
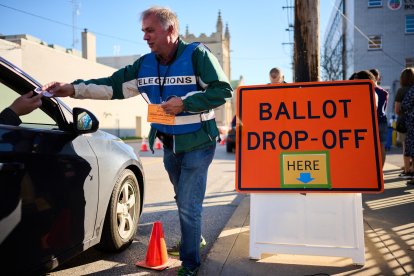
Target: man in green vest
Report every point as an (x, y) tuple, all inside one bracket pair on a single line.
[(186, 82)]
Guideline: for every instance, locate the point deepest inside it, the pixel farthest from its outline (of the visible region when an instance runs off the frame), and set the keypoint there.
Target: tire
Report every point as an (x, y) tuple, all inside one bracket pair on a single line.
[(122, 216)]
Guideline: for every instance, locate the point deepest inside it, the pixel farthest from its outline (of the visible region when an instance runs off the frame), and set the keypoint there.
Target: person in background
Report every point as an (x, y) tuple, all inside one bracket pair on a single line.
[(377, 75), (382, 101), (381, 111), (190, 141), (407, 105), (406, 81), (21, 106), (276, 76)]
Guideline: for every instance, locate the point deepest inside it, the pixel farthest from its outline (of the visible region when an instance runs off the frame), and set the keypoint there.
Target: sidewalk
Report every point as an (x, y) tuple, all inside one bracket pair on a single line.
[(388, 232)]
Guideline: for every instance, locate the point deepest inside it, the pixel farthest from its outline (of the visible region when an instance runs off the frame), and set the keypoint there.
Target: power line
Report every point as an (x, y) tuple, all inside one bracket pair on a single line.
[(290, 29), (69, 25), (289, 7)]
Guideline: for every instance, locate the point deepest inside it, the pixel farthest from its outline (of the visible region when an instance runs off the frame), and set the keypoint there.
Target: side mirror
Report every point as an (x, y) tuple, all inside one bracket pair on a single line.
[(84, 121)]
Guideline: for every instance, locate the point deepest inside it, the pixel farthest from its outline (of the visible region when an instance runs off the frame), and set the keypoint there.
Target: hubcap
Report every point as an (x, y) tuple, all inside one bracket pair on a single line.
[(126, 209)]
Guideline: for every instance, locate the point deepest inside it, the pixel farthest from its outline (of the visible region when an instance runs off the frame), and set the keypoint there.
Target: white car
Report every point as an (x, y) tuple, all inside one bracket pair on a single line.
[(65, 185)]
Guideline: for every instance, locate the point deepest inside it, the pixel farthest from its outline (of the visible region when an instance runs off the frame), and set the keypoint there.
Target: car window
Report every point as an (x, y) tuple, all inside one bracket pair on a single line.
[(66, 113), (36, 119)]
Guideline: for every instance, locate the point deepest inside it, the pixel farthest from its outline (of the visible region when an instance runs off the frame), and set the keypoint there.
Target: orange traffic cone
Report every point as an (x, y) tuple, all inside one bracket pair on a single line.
[(157, 144), (144, 146), (157, 257)]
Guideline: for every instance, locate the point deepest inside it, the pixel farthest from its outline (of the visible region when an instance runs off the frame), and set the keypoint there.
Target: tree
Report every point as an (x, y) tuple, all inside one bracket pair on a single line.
[(332, 63)]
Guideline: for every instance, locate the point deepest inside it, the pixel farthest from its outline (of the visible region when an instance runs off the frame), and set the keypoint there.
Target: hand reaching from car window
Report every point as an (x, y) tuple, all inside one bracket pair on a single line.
[(26, 103)]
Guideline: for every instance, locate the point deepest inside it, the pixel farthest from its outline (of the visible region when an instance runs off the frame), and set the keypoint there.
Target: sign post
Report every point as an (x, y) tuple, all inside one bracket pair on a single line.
[(307, 151), (313, 224)]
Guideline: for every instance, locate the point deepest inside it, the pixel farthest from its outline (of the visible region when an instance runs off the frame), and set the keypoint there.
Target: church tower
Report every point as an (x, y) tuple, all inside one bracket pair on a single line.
[(219, 44)]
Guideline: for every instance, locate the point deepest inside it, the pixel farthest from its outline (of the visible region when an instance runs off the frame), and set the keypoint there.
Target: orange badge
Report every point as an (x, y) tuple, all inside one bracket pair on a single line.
[(157, 115)]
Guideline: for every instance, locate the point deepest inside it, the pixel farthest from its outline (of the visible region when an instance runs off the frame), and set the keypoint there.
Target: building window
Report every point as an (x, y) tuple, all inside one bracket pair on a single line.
[(409, 24), (374, 3), (375, 42), (409, 62)]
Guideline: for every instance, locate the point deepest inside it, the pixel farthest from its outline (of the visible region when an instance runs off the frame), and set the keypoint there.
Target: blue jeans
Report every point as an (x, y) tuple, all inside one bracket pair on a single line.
[(188, 174)]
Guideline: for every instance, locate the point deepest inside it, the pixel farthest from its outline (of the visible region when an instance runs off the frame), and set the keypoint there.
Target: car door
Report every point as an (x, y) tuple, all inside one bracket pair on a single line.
[(45, 172)]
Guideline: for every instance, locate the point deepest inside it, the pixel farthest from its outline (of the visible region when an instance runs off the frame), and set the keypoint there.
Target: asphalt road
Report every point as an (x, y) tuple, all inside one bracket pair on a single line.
[(220, 202)]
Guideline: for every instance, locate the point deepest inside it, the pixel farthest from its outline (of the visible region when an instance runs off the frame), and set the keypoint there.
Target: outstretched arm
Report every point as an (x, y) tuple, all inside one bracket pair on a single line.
[(59, 89)]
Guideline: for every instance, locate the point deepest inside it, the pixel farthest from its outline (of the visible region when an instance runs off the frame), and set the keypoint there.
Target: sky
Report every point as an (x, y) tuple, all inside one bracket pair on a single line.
[(259, 39)]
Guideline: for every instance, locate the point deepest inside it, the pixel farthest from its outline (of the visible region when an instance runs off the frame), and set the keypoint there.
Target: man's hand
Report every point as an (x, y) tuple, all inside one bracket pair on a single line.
[(59, 89), (26, 103), (173, 106)]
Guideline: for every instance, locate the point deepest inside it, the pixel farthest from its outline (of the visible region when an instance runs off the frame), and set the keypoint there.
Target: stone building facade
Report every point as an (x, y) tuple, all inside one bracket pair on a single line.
[(219, 44)]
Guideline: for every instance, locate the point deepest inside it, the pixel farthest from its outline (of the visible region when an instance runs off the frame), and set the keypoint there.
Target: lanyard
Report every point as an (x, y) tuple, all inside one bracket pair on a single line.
[(161, 85)]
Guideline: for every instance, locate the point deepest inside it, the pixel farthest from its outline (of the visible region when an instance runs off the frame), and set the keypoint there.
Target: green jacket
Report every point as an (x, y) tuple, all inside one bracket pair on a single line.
[(123, 84)]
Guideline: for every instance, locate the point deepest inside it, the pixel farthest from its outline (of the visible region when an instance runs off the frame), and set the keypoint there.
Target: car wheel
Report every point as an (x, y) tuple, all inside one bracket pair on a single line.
[(121, 220)]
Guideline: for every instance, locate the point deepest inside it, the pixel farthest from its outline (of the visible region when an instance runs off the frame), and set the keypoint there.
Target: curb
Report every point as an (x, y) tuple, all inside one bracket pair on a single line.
[(221, 250)]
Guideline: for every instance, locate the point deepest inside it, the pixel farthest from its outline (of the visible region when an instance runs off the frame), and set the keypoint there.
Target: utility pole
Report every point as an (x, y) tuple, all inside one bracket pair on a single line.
[(306, 36)]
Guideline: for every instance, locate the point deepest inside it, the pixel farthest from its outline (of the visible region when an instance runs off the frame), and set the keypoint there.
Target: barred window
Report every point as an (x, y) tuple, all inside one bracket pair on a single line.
[(374, 42), (374, 3), (409, 62), (409, 24)]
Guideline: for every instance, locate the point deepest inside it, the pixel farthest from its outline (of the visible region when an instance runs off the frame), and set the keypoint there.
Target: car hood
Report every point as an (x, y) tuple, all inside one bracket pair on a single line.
[(107, 136), (106, 142)]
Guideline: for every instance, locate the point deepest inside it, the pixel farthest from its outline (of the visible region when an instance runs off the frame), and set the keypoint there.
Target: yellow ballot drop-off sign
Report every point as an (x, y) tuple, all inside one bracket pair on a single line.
[(312, 137)]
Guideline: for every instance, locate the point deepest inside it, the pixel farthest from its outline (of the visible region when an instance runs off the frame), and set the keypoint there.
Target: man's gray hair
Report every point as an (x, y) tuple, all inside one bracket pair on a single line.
[(165, 15)]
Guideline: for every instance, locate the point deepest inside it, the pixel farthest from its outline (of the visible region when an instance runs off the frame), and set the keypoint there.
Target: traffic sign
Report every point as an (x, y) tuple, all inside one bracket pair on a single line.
[(308, 137)]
